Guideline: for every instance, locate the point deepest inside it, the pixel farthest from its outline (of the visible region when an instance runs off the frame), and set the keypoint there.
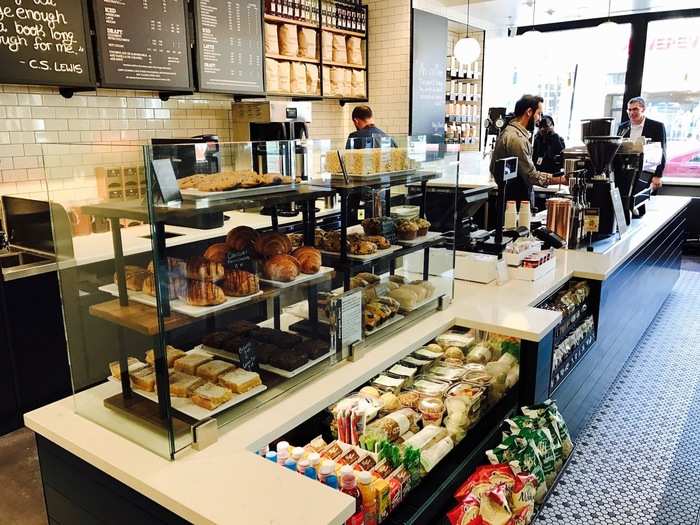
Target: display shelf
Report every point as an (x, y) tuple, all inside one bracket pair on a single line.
[(296, 96), (283, 20), (550, 490), (293, 59), (340, 64), (376, 181), (559, 375), (345, 32), (137, 317)]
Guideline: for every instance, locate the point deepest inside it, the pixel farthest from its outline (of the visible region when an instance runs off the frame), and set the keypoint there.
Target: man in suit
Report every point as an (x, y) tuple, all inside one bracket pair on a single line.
[(639, 125)]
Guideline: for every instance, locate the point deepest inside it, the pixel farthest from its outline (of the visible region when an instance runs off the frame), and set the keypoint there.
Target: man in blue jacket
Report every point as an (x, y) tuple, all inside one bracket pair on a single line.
[(367, 135)]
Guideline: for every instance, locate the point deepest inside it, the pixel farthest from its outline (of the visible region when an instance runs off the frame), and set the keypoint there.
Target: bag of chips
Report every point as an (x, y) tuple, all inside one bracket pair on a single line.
[(466, 512), (522, 456), (519, 423), (549, 411), (522, 497), (483, 479), (494, 507)]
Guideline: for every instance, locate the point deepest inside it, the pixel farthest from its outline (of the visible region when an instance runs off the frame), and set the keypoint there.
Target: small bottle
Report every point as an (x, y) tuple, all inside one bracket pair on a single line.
[(356, 519), (282, 445), (271, 455), (348, 485), (302, 466), (297, 454), (312, 470), (369, 497), (291, 464), (511, 217), (282, 456), (524, 216), (327, 474)]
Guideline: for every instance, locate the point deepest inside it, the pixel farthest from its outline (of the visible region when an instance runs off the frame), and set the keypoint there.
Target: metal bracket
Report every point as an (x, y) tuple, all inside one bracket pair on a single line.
[(204, 434), (68, 92), (165, 95)]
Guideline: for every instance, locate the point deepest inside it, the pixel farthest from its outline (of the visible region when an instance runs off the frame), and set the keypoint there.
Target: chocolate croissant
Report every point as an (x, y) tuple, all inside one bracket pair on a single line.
[(284, 268), (202, 269), (201, 293), (242, 238), (239, 283), (309, 259), (273, 243), (217, 252)]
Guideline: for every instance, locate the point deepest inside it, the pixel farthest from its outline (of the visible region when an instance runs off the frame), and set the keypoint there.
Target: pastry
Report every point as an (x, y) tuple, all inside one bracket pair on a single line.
[(270, 244), (175, 284), (422, 292), (133, 365), (284, 339), (182, 385), (135, 276), (191, 182), (242, 238), (331, 242), (262, 333), (264, 352), (357, 282), (381, 242), (399, 279), (370, 320), (309, 259), (216, 339), (407, 298), (210, 396), (239, 380), (372, 226), (202, 269), (239, 283), (176, 267), (172, 354), (288, 360), (283, 268), (213, 369), (297, 239), (241, 327), (362, 248), (313, 348), (423, 226), (319, 235), (406, 230), (392, 303), (144, 379), (189, 363), (233, 343), (217, 252), (369, 277), (201, 293)]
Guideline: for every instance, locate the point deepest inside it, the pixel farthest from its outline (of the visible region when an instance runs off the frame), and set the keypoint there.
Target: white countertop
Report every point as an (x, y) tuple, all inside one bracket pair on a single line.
[(227, 482)]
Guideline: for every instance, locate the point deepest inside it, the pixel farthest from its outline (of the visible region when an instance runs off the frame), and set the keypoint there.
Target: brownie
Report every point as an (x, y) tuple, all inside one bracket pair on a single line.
[(216, 339), (288, 360), (241, 327), (233, 343), (284, 339), (263, 334), (313, 348), (265, 352)]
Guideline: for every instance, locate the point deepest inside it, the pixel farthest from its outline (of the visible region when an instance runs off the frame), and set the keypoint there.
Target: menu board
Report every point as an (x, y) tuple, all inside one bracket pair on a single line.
[(229, 46), (44, 42), (143, 44), (428, 76)]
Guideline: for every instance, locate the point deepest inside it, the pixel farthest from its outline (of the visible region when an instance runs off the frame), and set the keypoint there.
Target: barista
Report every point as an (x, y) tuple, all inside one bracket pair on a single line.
[(546, 151), (515, 141), (367, 135)]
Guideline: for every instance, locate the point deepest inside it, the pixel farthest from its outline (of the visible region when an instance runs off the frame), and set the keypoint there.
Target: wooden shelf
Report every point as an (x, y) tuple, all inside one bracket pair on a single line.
[(344, 32), (296, 95), (138, 317), (283, 20), (349, 66), (293, 59)]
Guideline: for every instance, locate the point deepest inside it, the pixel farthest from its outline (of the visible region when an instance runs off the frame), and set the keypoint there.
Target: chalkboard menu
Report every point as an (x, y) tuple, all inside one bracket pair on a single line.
[(428, 75), (229, 46), (143, 44), (44, 42)]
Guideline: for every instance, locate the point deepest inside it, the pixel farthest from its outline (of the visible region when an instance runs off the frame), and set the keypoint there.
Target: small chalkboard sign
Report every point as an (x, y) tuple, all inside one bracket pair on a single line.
[(240, 261), (388, 231), (167, 183), (247, 356)]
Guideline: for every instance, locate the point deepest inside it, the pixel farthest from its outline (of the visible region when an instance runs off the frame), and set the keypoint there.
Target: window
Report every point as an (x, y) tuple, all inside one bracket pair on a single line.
[(671, 87)]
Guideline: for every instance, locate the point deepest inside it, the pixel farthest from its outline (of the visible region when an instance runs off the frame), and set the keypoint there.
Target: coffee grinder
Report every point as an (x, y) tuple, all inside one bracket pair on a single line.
[(600, 184)]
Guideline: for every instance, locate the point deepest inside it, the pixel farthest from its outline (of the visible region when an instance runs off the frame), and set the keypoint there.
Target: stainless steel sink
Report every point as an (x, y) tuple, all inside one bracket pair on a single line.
[(17, 263)]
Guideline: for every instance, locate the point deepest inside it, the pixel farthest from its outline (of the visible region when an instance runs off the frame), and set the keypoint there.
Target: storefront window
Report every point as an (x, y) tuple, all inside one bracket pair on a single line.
[(671, 86)]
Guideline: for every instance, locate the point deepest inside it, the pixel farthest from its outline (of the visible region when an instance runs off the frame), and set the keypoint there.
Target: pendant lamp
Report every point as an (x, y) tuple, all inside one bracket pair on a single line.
[(467, 49)]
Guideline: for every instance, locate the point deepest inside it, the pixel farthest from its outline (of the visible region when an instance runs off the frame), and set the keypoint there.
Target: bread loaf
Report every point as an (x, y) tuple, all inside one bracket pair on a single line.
[(283, 268), (327, 81), (309, 259), (202, 269), (273, 243), (239, 283), (217, 252), (242, 238), (135, 276), (201, 293)]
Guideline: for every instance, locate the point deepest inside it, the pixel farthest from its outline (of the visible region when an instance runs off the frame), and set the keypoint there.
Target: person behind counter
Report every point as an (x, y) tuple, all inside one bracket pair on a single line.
[(367, 135), (638, 126), (514, 141), (546, 151)]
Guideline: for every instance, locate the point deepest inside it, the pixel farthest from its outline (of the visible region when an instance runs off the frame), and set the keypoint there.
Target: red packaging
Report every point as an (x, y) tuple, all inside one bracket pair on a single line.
[(383, 469), (394, 492), (356, 519), (483, 479), (466, 512)]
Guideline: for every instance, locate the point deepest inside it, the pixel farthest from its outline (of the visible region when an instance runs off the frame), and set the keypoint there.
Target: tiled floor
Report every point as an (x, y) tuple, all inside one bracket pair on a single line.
[(21, 497), (638, 459)]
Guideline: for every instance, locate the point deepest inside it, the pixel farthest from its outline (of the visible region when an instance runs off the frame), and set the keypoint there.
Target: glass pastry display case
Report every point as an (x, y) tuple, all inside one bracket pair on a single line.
[(201, 287)]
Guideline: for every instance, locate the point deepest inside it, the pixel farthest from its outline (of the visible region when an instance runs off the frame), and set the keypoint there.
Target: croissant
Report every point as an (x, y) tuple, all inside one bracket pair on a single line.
[(175, 284), (202, 269), (242, 238), (201, 293), (273, 243), (284, 268), (217, 252), (239, 283), (175, 266), (309, 259)]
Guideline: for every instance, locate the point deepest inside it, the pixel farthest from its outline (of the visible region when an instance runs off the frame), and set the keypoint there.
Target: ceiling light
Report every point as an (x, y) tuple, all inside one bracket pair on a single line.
[(608, 26)]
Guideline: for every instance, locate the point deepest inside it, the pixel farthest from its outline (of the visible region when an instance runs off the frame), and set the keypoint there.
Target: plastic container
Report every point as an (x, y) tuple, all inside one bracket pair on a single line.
[(427, 386), (369, 497), (510, 221), (291, 464), (348, 485), (282, 445), (314, 460), (271, 456), (297, 454), (327, 474), (432, 410), (302, 466), (524, 215), (282, 456)]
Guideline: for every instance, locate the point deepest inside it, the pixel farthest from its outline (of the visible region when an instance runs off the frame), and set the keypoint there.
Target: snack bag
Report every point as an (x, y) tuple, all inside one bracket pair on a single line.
[(483, 479), (522, 497), (494, 507), (547, 442), (466, 512), (551, 413), (522, 456)]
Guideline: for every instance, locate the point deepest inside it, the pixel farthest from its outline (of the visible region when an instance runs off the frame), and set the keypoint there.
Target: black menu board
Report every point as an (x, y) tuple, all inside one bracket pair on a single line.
[(44, 42), (428, 76), (229, 46), (143, 44)]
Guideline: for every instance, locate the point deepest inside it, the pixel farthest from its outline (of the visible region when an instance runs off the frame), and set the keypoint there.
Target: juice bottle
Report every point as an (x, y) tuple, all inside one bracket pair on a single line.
[(327, 474), (271, 455), (369, 497), (291, 464), (302, 466), (282, 456), (348, 484), (282, 445), (314, 462)]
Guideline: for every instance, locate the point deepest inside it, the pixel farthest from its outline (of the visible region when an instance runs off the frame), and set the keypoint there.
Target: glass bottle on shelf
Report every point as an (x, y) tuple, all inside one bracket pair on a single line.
[(297, 10)]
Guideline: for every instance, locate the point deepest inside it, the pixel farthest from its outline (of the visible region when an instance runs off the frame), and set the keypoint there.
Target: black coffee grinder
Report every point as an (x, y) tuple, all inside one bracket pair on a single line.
[(600, 184)]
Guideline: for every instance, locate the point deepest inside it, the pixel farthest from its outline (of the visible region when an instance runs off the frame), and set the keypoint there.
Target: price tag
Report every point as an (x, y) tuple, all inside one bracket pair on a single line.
[(240, 261), (345, 315), (248, 357), (388, 231), (619, 210), (591, 220), (501, 271), (360, 214)]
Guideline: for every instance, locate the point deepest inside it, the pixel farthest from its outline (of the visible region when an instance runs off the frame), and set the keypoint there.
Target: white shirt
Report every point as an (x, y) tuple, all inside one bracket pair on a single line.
[(636, 130)]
